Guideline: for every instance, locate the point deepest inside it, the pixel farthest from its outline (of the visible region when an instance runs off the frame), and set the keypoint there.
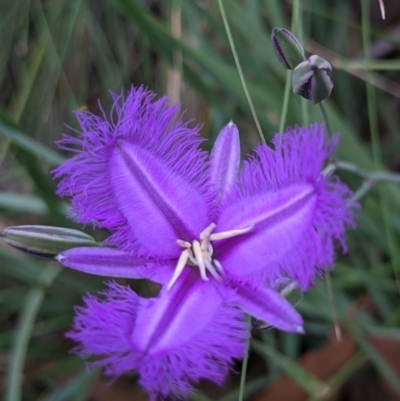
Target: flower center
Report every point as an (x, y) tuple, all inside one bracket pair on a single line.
[(199, 253)]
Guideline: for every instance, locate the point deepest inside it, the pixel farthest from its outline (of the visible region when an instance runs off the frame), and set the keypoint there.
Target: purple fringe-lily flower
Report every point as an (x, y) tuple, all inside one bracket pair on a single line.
[(218, 239), (135, 334)]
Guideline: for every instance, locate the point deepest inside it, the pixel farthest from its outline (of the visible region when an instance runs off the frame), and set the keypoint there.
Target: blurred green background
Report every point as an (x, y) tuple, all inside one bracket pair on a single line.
[(61, 55)]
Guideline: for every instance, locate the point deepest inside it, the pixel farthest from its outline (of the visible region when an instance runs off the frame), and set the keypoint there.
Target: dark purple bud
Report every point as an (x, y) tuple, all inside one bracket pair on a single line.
[(312, 79)]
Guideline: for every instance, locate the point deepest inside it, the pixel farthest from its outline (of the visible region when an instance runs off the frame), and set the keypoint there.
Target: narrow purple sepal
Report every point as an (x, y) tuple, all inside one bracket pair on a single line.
[(137, 122), (267, 305), (104, 328), (111, 262), (225, 160)]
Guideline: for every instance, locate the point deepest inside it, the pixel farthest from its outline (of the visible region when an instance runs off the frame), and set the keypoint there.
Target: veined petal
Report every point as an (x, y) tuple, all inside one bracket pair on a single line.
[(104, 328), (297, 213), (111, 262), (267, 305), (278, 218), (145, 124), (159, 204), (225, 160), (178, 315)]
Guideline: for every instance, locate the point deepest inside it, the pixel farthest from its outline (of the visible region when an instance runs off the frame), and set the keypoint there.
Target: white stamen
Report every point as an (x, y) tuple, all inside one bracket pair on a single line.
[(230, 234), (199, 253), (210, 250), (205, 234), (218, 266), (179, 267), (184, 244), (193, 259), (213, 272)]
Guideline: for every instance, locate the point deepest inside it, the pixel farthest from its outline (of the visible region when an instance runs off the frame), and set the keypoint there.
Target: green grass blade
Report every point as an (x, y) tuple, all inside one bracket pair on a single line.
[(308, 382), (25, 323), (25, 142)]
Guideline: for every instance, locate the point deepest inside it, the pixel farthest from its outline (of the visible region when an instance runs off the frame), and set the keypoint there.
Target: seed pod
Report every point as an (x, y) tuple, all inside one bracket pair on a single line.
[(312, 79), (287, 48), (45, 241)]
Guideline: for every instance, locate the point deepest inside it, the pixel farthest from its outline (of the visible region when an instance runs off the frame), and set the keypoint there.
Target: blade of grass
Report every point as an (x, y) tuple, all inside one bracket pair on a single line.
[(308, 382), (74, 389), (29, 144), (25, 323), (22, 203), (295, 27), (375, 140), (240, 72), (344, 374), (374, 356)]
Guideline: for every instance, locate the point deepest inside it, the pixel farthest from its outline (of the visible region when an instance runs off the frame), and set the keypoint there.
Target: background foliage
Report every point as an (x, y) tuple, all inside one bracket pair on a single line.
[(61, 55)]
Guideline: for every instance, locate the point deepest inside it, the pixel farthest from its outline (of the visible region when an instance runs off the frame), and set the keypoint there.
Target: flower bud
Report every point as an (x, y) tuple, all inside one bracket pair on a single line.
[(312, 79), (45, 241), (287, 48)]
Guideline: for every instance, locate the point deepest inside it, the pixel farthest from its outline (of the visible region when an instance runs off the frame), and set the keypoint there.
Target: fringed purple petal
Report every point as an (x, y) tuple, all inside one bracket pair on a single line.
[(158, 202), (169, 320), (267, 305), (297, 213), (146, 124), (225, 161), (111, 262), (208, 356), (278, 219), (104, 328)]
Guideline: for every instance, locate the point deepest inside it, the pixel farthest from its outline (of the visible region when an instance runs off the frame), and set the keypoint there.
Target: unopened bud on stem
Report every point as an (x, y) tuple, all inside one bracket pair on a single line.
[(287, 48), (45, 241), (312, 79)]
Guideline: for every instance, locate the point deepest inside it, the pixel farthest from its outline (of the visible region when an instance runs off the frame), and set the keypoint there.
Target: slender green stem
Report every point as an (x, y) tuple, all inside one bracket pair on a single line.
[(295, 27), (370, 178), (296, 20), (326, 119), (304, 112), (338, 332), (363, 190), (243, 372), (336, 325), (24, 329), (285, 104), (371, 99), (385, 176), (240, 71)]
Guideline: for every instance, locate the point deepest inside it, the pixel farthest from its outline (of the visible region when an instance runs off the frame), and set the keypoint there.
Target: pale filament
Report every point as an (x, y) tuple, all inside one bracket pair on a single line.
[(199, 253)]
